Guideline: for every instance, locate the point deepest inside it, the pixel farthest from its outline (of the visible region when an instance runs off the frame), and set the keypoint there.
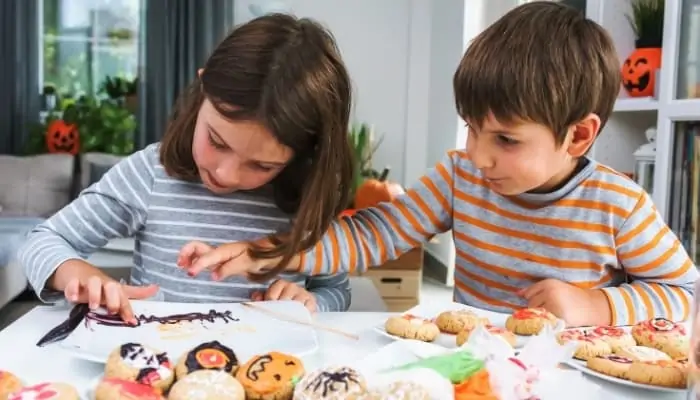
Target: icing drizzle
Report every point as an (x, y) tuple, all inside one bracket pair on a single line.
[(42, 391), (617, 359), (342, 380), (612, 331), (661, 324), (211, 355), (115, 320), (528, 313), (151, 367)]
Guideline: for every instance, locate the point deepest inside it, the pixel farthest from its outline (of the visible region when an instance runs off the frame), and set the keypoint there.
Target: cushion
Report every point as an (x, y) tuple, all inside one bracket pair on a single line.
[(12, 234), (100, 159), (97, 171)]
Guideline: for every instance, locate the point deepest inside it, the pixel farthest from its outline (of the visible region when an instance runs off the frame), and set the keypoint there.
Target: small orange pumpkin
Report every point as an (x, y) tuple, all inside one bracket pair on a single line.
[(639, 72), (374, 191), (62, 137)]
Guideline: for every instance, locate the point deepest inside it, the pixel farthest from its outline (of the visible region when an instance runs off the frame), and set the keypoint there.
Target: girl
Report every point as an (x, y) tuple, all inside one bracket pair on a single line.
[(257, 146)]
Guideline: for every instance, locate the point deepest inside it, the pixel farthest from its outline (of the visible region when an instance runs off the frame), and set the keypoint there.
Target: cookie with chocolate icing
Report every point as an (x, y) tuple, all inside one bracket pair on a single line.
[(270, 376), (663, 334), (138, 363), (209, 355), (334, 383), (46, 391), (207, 384), (610, 364), (9, 383), (121, 389)]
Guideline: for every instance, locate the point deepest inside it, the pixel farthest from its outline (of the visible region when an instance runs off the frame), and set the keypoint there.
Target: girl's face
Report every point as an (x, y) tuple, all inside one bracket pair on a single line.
[(235, 155)]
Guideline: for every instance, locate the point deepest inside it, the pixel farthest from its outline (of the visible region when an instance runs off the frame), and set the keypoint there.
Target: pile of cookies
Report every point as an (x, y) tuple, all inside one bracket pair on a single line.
[(653, 352), (525, 322)]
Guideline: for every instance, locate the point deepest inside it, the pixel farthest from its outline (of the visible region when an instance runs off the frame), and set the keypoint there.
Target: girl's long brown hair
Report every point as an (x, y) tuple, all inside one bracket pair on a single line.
[(286, 73)]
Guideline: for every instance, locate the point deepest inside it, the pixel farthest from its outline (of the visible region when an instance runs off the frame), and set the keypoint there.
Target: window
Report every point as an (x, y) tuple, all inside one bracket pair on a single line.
[(85, 41)]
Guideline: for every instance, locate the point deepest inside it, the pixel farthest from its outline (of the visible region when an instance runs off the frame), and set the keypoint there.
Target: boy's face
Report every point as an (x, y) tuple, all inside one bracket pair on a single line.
[(525, 157)]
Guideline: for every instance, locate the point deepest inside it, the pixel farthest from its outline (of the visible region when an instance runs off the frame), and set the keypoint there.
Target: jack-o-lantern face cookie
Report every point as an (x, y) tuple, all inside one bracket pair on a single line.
[(9, 383), (412, 327), (209, 355), (610, 364), (334, 383), (615, 336), (530, 321), (120, 389), (138, 363), (589, 343), (46, 391), (659, 373), (507, 335), (665, 335), (207, 384), (455, 322), (270, 376)]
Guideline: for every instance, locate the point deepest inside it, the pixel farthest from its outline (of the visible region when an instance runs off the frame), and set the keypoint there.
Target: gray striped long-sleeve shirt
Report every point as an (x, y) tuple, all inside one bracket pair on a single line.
[(137, 198)]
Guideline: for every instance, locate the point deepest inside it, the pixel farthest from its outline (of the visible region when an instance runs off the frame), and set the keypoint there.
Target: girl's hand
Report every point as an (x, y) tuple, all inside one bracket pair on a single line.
[(284, 290), (224, 261)]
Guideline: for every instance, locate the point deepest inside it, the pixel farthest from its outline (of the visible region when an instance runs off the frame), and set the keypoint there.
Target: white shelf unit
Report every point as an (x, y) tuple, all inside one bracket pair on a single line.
[(624, 132)]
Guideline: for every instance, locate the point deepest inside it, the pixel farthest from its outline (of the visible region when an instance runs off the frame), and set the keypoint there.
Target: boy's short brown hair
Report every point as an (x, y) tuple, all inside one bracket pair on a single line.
[(542, 62)]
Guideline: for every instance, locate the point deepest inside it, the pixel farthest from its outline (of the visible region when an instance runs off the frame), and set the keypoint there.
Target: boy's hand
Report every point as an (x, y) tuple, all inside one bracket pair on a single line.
[(576, 306), (284, 290), (226, 260)]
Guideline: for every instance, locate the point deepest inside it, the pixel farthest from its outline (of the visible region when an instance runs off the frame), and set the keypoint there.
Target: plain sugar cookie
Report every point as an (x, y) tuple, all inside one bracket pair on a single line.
[(642, 353), (121, 389), (456, 321), (9, 383), (270, 376), (332, 383), (589, 344), (665, 335), (48, 390), (505, 334), (611, 365), (138, 363), (615, 336), (209, 355), (530, 321), (659, 373), (207, 384), (411, 327)]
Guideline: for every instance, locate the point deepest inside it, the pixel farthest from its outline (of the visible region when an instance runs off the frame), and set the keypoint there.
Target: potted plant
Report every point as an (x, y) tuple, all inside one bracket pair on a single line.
[(640, 68)]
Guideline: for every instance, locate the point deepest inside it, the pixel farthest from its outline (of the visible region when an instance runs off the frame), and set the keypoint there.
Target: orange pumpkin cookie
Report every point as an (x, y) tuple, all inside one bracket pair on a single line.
[(209, 355), (615, 336), (46, 391), (530, 321), (270, 376), (411, 327), (507, 335), (120, 389), (665, 335), (9, 383), (455, 322), (659, 373), (589, 344)]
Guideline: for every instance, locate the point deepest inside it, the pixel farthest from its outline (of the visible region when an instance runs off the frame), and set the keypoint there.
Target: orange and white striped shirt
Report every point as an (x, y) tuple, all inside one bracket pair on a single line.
[(599, 231)]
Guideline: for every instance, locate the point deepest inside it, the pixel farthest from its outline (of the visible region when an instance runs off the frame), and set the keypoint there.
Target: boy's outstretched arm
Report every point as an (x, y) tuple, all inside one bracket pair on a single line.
[(660, 273)]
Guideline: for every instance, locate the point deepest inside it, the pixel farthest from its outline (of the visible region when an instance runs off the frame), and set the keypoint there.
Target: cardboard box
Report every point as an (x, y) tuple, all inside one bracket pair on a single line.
[(396, 283), (412, 259), (400, 305)]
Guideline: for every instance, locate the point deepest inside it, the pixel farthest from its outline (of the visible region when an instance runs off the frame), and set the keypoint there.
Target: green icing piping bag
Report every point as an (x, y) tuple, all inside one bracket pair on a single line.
[(457, 366)]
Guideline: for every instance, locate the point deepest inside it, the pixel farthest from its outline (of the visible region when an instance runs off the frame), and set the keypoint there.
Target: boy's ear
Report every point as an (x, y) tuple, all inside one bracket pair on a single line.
[(583, 134)]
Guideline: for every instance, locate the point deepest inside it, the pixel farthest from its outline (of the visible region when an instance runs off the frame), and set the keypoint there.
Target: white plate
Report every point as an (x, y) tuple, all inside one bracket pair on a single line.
[(431, 311), (581, 366), (252, 332)]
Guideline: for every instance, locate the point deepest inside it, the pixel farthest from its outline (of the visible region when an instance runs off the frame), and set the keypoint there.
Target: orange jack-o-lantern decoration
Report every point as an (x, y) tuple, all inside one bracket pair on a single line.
[(273, 372), (374, 191), (62, 137), (639, 72)]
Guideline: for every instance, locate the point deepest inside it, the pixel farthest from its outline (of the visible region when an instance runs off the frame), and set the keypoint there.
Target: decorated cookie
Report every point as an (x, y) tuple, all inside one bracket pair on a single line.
[(121, 389), (610, 364), (336, 383), (210, 355), (270, 376), (662, 334), (659, 373), (46, 391), (138, 363), (642, 353), (455, 322), (207, 384), (9, 383), (590, 344), (615, 336), (411, 327), (530, 321), (410, 384), (507, 335)]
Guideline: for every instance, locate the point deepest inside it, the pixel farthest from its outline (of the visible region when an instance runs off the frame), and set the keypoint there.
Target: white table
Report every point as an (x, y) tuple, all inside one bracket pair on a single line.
[(33, 364)]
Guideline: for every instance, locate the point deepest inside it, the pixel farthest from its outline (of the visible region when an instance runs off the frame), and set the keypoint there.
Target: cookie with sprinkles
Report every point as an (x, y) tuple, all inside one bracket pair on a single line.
[(530, 321), (663, 334), (412, 327), (615, 336), (589, 343)]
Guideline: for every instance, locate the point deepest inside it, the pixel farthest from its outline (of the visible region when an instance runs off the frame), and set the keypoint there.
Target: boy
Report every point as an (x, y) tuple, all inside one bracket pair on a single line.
[(535, 222)]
